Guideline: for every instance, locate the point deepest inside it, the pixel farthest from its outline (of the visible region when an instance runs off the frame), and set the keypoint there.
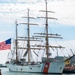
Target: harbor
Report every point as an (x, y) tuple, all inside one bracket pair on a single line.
[(36, 45)]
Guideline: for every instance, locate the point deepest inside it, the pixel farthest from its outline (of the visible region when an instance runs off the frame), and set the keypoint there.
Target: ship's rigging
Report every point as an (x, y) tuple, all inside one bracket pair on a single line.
[(47, 35), (36, 37), (27, 38)]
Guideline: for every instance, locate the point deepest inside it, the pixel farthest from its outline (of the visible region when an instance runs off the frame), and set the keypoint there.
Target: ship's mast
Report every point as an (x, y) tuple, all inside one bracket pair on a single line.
[(16, 43), (47, 48), (46, 35), (28, 44), (28, 38), (46, 28)]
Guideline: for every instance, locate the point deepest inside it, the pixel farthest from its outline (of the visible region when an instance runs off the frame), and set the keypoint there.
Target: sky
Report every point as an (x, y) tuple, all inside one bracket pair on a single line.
[(12, 10)]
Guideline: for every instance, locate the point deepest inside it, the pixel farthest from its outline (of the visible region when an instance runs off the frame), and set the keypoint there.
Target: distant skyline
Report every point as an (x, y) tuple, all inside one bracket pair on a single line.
[(11, 10)]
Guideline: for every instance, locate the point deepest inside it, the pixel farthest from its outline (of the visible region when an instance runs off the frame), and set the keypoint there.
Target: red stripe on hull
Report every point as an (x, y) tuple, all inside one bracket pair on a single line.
[(46, 67)]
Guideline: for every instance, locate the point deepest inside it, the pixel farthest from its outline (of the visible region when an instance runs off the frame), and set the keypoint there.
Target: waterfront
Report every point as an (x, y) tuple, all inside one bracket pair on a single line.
[(5, 71)]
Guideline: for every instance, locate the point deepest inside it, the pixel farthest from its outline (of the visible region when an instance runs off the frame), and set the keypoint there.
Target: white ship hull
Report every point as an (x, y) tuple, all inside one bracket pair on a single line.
[(51, 67)]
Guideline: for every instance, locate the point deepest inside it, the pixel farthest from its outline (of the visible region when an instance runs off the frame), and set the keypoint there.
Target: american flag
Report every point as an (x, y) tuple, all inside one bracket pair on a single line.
[(5, 45)]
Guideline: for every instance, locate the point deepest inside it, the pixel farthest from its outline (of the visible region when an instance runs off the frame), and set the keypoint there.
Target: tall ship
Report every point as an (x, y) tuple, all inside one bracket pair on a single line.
[(47, 64)]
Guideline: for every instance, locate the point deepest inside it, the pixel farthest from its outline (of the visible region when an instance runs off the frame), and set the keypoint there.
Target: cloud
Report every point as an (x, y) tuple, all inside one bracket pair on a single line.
[(7, 1), (64, 10), (28, 1)]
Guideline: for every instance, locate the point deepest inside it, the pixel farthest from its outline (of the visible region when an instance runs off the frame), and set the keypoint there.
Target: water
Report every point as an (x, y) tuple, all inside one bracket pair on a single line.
[(5, 71)]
